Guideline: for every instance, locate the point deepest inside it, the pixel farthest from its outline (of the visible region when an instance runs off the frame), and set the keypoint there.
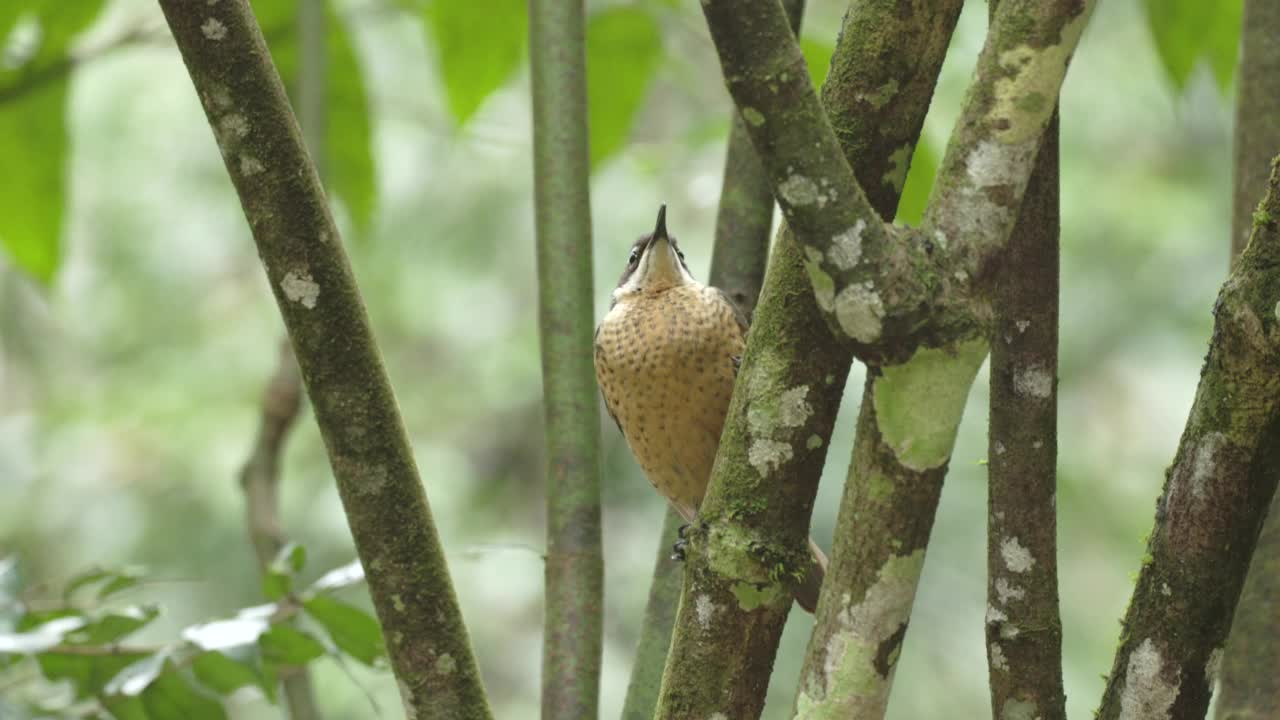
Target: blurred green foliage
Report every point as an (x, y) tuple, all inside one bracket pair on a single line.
[(1189, 31), (82, 645), (129, 386)]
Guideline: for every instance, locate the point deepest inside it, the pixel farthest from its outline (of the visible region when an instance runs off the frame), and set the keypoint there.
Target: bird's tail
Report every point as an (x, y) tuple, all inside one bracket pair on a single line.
[(807, 591)]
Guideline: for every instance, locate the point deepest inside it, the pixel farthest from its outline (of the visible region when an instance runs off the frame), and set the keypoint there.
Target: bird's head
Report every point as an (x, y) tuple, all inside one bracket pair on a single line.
[(655, 263)]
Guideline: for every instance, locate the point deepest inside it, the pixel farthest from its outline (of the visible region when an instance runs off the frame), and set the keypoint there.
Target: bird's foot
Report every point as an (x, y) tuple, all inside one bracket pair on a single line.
[(677, 550), (680, 531)]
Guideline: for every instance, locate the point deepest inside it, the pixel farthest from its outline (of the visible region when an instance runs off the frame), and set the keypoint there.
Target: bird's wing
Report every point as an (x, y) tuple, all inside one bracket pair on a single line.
[(595, 343), (743, 324), (741, 317)]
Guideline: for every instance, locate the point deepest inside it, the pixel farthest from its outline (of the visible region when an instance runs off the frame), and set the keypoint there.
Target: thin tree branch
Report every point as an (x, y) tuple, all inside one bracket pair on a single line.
[(738, 259), (573, 622), (860, 623), (779, 425), (260, 479), (1250, 686), (1215, 498), (886, 296), (1023, 625), (309, 274), (655, 628)]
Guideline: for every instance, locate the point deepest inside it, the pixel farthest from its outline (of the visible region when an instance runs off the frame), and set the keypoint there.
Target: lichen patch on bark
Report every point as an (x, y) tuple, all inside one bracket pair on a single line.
[(1147, 694)]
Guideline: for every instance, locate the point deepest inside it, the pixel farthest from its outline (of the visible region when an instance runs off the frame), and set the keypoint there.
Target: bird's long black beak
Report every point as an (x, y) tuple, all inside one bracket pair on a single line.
[(660, 229)]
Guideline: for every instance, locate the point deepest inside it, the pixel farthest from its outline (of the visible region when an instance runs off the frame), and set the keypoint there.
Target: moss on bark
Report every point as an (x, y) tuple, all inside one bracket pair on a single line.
[(1214, 501), (308, 272)]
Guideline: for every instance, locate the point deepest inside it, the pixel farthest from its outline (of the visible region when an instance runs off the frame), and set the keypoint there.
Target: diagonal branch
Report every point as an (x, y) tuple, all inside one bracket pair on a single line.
[(308, 272), (779, 424), (1215, 498), (575, 564), (1250, 687), (885, 296)]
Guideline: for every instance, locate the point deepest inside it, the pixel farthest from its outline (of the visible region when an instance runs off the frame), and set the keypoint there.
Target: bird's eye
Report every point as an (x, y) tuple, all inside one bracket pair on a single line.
[(635, 256)]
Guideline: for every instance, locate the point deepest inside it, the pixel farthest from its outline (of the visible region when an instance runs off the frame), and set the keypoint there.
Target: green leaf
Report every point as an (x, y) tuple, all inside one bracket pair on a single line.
[(623, 48), (479, 45), (223, 674), (277, 581), (1223, 40), (112, 581), (169, 697), (817, 56), (915, 192), (88, 674), (33, 143), (284, 645), (109, 627), (353, 630), (348, 155), (33, 135), (1188, 31)]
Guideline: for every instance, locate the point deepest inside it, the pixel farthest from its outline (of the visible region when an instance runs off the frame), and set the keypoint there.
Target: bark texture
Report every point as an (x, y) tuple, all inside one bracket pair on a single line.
[(884, 295), (1023, 624), (309, 274), (738, 257), (780, 419), (1214, 500), (1250, 686), (860, 622), (573, 625)]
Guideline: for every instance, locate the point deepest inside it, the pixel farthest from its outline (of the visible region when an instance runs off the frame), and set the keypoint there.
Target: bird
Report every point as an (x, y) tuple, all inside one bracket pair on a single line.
[(666, 357)]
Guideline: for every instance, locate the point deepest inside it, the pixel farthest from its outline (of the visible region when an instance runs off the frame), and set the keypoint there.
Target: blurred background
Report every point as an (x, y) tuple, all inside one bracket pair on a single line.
[(130, 383)]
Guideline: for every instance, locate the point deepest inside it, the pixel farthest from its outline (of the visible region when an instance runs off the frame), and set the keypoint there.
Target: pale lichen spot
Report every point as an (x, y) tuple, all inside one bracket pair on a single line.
[(1165, 590), (793, 407), (899, 162), (799, 190), (850, 681), (220, 96), (859, 310), (824, 288), (446, 665), (1016, 557), (1213, 667), (213, 29), (300, 288), (1033, 381), (397, 602), (1023, 325), (705, 609), (1031, 73), (998, 447), (1147, 694), (766, 455), (995, 615), (717, 716), (998, 661), (1037, 444), (1204, 464), (814, 442), (233, 126), (1007, 591), (1016, 709), (879, 97), (846, 247), (940, 239), (250, 165), (1009, 631), (753, 116), (919, 403)]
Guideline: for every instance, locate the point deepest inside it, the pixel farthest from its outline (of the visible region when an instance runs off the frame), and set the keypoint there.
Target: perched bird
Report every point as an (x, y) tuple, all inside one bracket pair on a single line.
[(666, 356)]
